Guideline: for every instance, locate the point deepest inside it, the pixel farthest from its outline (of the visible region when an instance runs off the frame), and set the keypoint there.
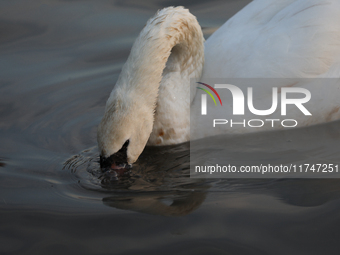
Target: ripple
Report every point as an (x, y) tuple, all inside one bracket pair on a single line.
[(158, 169), (13, 31)]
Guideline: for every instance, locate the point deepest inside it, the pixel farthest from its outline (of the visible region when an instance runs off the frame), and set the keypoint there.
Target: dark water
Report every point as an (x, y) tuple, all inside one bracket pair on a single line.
[(59, 61)]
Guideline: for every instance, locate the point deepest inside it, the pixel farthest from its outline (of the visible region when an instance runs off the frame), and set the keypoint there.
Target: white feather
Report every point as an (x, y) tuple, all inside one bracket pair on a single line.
[(267, 39)]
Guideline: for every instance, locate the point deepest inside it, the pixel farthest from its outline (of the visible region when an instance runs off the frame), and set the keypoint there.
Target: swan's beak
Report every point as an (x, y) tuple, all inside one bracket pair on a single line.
[(116, 164), (113, 169)]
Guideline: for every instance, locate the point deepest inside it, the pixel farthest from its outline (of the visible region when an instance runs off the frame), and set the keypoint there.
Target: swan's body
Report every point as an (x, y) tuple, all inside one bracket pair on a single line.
[(267, 39)]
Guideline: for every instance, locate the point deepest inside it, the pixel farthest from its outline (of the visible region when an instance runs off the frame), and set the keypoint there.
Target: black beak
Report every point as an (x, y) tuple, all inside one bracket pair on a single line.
[(116, 161)]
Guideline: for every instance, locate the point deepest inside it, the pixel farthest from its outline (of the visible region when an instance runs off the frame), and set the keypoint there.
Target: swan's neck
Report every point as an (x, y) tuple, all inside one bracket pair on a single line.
[(168, 52)]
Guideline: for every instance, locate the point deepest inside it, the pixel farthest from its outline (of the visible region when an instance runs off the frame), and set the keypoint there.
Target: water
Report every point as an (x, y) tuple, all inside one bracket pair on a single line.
[(59, 61)]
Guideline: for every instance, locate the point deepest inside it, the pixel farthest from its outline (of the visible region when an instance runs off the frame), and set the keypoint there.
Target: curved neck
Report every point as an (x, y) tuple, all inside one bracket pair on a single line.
[(168, 52)]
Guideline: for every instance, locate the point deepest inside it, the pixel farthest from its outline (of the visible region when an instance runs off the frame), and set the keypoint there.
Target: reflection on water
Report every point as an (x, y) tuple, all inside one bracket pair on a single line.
[(173, 204), (59, 61), (160, 183)]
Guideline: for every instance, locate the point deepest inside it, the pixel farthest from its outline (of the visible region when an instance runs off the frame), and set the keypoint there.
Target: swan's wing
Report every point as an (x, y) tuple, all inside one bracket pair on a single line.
[(276, 39), (292, 38)]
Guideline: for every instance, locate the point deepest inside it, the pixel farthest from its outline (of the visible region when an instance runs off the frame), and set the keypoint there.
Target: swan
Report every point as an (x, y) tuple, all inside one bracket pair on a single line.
[(152, 99)]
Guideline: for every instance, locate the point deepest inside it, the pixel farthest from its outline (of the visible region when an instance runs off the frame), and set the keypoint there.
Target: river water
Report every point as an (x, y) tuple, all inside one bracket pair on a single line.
[(59, 61)]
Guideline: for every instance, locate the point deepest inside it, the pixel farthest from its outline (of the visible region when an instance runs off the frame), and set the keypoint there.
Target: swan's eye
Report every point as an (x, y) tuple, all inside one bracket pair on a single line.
[(117, 159)]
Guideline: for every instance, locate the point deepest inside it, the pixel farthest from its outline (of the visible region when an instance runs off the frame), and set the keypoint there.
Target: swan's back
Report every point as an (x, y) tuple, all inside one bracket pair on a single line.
[(276, 39), (267, 39), (292, 38)]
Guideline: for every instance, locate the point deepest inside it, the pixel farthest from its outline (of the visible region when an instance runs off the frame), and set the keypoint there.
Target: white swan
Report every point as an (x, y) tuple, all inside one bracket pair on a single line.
[(150, 102)]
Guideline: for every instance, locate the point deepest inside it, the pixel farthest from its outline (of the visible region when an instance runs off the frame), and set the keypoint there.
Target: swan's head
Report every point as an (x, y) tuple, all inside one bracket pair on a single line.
[(125, 127)]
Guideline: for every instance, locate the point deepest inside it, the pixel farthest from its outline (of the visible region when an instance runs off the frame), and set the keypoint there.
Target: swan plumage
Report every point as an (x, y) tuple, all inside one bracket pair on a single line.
[(279, 39), (151, 100)]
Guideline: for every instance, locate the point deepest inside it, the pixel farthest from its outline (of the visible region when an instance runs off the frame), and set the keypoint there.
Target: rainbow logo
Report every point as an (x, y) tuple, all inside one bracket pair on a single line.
[(208, 92)]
